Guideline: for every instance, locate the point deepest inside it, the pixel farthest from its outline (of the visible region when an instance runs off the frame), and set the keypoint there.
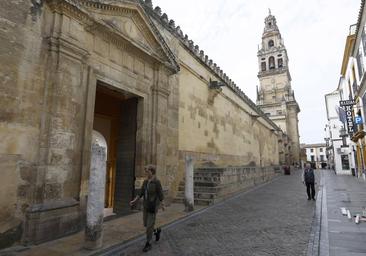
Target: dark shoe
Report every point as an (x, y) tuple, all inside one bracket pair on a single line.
[(147, 247), (157, 234), (314, 198), (309, 198)]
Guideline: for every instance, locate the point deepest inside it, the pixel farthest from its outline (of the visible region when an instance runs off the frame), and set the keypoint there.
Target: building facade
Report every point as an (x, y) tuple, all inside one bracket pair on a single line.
[(339, 150), (346, 136), (275, 95), (121, 68), (354, 76), (316, 154)]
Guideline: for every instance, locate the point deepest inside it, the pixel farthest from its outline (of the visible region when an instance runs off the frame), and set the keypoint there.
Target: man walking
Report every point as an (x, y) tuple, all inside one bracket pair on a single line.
[(152, 193), (308, 178)]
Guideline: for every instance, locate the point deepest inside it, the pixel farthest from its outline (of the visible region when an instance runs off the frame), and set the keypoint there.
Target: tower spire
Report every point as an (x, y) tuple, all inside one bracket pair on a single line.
[(269, 11)]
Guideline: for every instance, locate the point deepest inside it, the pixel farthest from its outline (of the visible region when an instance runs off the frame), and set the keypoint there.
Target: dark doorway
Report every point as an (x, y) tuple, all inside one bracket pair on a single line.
[(115, 117)]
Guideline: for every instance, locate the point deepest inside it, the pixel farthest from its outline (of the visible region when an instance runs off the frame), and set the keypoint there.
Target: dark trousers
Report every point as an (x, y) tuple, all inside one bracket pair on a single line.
[(310, 186), (149, 222)]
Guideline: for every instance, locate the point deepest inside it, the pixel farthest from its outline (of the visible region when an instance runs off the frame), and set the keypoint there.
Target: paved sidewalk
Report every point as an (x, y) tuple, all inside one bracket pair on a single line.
[(116, 232), (340, 236), (273, 219)]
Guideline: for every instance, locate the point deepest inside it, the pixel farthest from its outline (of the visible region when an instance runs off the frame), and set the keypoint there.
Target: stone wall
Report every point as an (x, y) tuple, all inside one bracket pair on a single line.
[(222, 126), (22, 78), (53, 55), (212, 184)]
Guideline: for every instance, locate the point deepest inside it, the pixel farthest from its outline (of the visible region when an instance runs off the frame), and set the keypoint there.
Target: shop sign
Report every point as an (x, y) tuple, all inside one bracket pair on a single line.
[(347, 106)]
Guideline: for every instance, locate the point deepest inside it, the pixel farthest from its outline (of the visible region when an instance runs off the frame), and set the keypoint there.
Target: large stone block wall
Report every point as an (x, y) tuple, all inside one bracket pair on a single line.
[(229, 180), (22, 78), (51, 62), (216, 126)]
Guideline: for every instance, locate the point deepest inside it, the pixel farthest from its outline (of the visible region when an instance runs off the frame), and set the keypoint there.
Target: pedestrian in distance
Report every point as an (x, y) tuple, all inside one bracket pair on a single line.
[(308, 179), (152, 193)]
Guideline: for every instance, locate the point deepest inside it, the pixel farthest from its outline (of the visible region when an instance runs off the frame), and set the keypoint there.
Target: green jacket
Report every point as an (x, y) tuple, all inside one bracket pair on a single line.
[(152, 192)]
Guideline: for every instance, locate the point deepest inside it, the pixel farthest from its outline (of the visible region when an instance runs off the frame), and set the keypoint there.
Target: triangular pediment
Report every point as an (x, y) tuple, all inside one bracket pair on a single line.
[(129, 21)]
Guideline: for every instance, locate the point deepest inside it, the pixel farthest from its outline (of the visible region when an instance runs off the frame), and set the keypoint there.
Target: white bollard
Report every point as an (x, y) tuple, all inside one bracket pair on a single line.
[(189, 185), (95, 204), (344, 211), (357, 220), (349, 216)]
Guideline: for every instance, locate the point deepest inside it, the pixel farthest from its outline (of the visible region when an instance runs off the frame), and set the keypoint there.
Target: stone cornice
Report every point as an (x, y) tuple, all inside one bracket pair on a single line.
[(64, 46), (76, 9), (200, 56), (272, 72)]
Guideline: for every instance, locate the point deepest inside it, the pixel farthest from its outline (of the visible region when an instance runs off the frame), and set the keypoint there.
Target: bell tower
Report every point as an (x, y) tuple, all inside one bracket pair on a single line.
[(274, 94)]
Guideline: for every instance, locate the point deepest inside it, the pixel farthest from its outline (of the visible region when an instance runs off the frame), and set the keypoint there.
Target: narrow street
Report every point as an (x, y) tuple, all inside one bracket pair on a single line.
[(114, 108), (273, 219)]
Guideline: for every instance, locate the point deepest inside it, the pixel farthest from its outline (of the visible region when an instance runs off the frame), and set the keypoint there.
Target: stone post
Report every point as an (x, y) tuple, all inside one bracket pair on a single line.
[(189, 185), (95, 204)]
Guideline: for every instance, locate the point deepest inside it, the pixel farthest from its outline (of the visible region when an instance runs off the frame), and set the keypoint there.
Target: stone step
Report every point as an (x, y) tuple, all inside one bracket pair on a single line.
[(204, 189), (204, 202), (199, 195)]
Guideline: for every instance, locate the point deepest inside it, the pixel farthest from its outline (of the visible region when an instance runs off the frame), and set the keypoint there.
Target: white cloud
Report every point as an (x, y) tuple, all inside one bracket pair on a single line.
[(314, 32)]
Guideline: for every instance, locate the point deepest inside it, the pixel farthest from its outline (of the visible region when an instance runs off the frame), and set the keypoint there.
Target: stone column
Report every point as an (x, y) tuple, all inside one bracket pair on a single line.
[(189, 185), (95, 204)]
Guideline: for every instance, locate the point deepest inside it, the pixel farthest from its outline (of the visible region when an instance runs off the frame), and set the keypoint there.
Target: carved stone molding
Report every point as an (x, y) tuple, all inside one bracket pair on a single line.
[(82, 10)]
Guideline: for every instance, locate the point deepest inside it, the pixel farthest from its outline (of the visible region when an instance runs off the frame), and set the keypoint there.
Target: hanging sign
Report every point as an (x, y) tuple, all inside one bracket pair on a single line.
[(358, 120), (347, 106)]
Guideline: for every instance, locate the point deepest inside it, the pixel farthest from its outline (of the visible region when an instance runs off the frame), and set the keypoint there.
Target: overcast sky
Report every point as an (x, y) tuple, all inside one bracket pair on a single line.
[(314, 32)]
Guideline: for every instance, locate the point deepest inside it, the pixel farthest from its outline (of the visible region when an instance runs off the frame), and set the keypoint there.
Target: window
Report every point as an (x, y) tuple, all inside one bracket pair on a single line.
[(312, 158), (312, 150), (321, 149), (264, 66), (353, 74), (279, 112), (363, 38), (268, 114), (321, 158), (360, 66), (270, 43), (272, 63), (280, 62), (345, 162)]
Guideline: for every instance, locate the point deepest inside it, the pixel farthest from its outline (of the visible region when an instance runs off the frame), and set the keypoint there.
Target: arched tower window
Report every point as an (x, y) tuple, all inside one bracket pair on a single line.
[(270, 43), (280, 62), (264, 66), (272, 62)]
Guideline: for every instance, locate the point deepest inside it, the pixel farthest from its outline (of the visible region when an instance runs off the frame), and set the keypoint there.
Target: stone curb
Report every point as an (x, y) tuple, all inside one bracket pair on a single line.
[(319, 242), (119, 248), (314, 241)]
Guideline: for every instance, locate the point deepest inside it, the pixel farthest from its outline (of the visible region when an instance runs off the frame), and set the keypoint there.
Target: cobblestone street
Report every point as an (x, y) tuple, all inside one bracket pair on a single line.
[(273, 219)]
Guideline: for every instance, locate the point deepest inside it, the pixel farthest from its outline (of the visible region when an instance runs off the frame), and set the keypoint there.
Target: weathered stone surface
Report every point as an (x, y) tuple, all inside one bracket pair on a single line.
[(95, 204), (53, 56)]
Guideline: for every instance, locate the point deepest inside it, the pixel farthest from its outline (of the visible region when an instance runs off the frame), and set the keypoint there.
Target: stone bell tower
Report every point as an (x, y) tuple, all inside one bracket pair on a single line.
[(275, 95)]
